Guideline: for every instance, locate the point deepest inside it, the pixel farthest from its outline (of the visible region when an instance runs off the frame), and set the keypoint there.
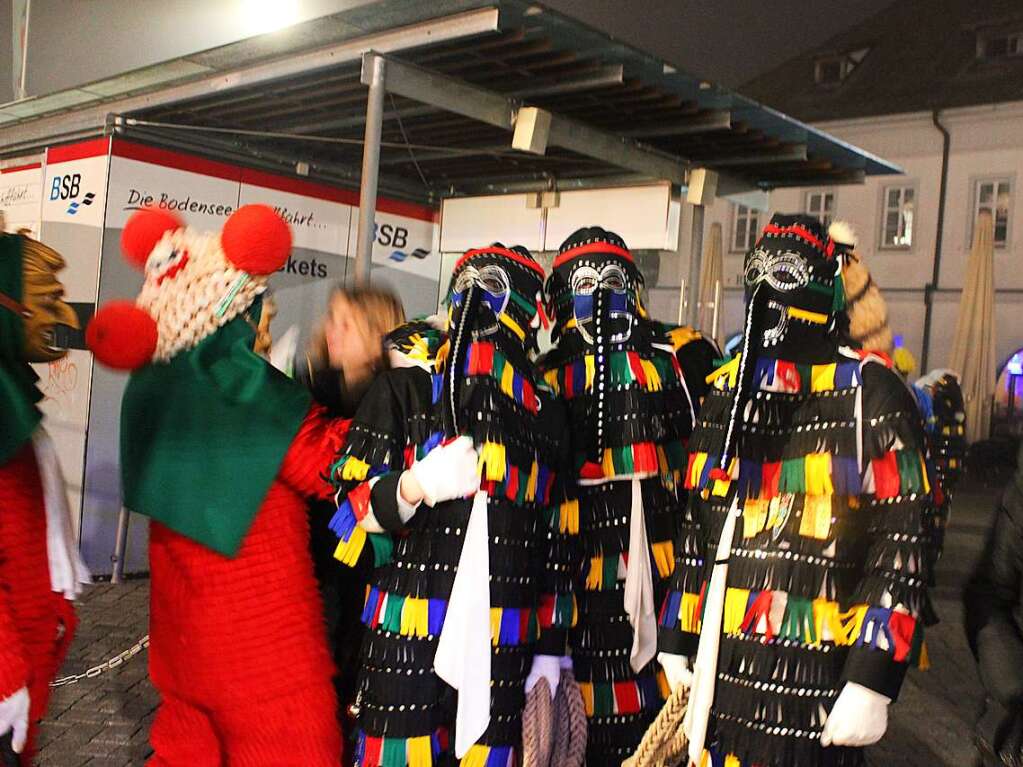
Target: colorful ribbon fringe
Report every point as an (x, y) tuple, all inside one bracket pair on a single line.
[(624, 369), (682, 611), (681, 336), (348, 468), (897, 472), (422, 751), (639, 458), (515, 483), (501, 478), (782, 376), (484, 360), (604, 571), (488, 756), (425, 751), (422, 617), (809, 622), (352, 538), (558, 611), (625, 697), (567, 517)]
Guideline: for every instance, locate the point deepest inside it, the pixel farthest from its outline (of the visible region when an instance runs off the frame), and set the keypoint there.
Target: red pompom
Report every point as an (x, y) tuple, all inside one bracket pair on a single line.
[(143, 230), (256, 240), (122, 336)]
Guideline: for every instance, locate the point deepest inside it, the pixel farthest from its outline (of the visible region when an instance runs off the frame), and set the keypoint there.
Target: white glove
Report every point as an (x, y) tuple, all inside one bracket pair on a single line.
[(447, 472), (676, 669), (14, 718), (546, 667), (859, 718)]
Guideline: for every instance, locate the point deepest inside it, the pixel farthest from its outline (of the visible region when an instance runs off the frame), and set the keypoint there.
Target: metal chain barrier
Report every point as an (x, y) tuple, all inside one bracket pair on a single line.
[(114, 662)]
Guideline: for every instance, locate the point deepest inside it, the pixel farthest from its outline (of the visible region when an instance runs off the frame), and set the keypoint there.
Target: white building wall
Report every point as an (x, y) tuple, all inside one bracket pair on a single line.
[(985, 141)]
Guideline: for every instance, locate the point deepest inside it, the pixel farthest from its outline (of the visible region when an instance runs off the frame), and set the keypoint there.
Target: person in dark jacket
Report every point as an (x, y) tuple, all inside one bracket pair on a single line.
[(993, 599), (344, 356)]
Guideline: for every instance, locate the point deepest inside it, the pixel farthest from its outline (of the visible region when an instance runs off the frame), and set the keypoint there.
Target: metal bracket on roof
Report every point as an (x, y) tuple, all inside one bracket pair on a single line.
[(477, 103)]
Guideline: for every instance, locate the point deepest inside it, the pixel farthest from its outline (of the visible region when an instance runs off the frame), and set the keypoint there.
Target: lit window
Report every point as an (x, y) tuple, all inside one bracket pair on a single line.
[(832, 70), (747, 227), (897, 216), (994, 196), (821, 205), (1000, 45)]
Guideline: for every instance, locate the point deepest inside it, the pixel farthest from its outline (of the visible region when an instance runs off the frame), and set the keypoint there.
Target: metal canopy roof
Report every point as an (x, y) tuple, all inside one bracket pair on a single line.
[(457, 71)]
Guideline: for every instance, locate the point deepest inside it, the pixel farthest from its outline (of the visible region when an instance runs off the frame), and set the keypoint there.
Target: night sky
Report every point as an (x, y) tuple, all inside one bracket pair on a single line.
[(727, 41)]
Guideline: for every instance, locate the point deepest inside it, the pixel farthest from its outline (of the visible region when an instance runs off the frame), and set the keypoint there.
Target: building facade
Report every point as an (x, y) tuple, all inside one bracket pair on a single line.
[(919, 78), (896, 219)]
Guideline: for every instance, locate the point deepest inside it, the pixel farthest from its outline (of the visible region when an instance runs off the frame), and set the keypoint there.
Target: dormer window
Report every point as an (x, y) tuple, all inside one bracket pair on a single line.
[(832, 70), (999, 45)]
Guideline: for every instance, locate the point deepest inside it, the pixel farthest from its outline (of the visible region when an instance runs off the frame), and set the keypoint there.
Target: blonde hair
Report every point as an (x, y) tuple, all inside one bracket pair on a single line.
[(376, 311)]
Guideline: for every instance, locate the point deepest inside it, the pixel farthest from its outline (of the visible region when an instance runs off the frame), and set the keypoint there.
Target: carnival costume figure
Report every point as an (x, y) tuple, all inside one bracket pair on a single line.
[(809, 483), (223, 452), (631, 388), (940, 398), (941, 401), (461, 595), (40, 568)]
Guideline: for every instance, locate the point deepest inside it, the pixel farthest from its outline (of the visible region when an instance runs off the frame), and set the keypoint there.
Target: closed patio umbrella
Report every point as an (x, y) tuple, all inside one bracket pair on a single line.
[(973, 346)]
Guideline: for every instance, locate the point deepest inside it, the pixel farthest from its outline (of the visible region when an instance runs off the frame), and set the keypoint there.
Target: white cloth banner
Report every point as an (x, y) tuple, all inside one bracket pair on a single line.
[(463, 651), (705, 670), (67, 570), (639, 586)]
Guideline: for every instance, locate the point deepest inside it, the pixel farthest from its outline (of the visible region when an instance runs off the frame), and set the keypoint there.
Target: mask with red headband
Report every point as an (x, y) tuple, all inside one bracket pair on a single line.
[(617, 370), (205, 420), (794, 306), (494, 302)]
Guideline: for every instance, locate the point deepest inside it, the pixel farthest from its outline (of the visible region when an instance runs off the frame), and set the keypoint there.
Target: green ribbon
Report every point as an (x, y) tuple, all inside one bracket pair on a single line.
[(793, 476), (383, 548), (203, 436)]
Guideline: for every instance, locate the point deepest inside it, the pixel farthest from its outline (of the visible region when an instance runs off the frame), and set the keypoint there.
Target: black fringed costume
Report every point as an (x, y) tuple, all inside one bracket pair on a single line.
[(821, 454), (624, 380), (941, 402), (482, 367)]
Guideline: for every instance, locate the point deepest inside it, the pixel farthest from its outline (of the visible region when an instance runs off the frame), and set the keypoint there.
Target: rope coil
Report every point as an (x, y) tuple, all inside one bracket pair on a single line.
[(554, 733), (664, 743)]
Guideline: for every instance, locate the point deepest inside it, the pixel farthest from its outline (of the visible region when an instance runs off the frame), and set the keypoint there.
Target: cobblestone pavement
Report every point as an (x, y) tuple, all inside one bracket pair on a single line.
[(104, 722)]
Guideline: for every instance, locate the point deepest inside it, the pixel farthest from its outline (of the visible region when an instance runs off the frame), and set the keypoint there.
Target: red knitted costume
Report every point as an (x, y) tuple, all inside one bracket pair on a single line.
[(238, 649), (222, 452), (36, 624)]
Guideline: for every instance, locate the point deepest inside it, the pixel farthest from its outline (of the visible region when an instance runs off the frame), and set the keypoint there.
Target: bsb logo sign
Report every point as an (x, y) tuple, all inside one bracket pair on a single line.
[(393, 236), (68, 187)]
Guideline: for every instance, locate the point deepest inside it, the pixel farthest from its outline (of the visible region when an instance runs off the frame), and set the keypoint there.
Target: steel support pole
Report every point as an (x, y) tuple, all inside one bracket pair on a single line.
[(374, 78), (120, 546), (695, 261)]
